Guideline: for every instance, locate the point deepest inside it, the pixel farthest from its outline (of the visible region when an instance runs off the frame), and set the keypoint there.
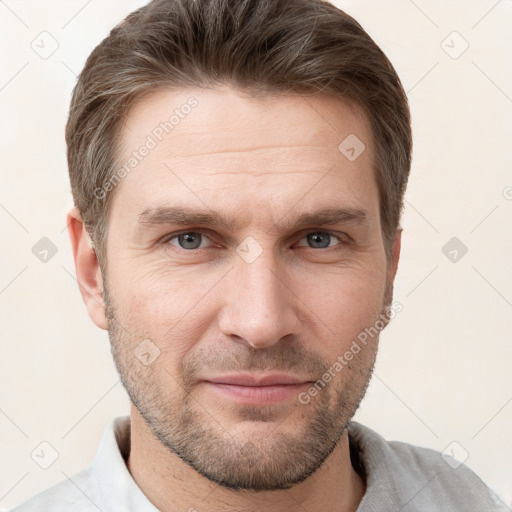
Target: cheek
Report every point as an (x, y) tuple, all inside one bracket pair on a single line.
[(347, 301), (171, 311)]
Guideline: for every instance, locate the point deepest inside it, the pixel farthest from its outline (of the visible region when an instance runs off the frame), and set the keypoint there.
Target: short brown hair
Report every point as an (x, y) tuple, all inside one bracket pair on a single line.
[(261, 47)]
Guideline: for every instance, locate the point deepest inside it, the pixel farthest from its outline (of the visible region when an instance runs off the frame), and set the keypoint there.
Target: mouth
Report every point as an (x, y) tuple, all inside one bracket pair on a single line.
[(251, 389)]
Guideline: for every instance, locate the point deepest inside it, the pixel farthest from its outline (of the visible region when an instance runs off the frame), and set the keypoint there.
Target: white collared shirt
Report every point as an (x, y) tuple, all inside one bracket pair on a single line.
[(399, 477)]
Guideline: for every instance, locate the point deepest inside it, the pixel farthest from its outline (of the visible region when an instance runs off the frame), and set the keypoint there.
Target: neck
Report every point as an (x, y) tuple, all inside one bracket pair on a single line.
[(172, 485)]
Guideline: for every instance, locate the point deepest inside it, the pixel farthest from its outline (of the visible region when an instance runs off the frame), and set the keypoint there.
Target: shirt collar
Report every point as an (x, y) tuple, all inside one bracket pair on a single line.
[(111, 477)]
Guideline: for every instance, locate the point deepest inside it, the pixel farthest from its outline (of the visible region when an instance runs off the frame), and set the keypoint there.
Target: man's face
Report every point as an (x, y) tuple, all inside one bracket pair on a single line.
[(263, 294)]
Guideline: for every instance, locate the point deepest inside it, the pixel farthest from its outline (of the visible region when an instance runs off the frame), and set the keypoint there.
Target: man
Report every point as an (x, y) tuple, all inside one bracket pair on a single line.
[(238, 170)]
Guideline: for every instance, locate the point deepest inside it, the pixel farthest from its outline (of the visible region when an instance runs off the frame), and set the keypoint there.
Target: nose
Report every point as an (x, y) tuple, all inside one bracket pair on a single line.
[(259, 305)]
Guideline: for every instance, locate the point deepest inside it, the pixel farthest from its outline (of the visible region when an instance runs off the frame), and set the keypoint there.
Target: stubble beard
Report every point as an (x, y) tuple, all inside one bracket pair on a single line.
[(276, 459)]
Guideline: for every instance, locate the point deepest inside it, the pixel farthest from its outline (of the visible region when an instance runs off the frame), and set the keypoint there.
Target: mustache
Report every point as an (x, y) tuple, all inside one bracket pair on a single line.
[(281, 357)]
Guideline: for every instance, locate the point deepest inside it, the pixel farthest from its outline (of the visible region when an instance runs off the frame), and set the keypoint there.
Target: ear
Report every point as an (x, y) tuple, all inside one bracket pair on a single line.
[(88, 272), (395, 254), (393, 266)]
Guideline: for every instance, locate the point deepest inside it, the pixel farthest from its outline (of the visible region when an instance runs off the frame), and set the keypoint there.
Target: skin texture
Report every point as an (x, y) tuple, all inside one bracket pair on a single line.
[(278, 302)]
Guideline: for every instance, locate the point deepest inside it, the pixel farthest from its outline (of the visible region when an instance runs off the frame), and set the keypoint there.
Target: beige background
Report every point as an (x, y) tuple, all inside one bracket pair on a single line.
[(443, 371)]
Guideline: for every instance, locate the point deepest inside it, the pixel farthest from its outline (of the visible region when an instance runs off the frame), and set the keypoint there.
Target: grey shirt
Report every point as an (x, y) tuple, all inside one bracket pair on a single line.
[(399, 478)]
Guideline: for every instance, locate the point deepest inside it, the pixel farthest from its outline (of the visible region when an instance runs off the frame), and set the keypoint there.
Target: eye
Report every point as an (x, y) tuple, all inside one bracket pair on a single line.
[(321, 240), (189, 240)]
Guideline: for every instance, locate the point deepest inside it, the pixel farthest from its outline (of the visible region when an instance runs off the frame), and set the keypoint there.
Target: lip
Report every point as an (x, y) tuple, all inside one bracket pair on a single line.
[(250, 389), (248, 379)]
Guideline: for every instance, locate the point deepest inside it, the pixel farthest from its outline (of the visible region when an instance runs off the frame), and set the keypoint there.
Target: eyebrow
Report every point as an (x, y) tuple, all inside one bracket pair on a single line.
[(169, 215)]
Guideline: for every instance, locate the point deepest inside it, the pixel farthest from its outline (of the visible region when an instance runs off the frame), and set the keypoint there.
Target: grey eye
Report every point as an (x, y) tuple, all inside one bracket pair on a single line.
[(190, 240), (319, 240)]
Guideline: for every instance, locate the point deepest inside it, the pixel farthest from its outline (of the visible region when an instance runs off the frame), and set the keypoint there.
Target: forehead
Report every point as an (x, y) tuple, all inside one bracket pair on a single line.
[(213, 116), (215, 145)]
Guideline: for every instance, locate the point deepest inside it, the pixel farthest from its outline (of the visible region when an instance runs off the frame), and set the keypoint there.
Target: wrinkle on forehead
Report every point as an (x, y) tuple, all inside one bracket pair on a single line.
[(255, 149)]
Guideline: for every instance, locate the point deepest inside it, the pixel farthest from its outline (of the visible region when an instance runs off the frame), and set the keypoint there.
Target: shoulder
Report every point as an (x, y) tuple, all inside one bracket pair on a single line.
[(74, 493), (418, 478)]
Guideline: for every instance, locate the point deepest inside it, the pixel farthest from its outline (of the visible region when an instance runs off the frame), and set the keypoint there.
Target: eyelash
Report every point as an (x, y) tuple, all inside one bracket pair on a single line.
[(339, 237)]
